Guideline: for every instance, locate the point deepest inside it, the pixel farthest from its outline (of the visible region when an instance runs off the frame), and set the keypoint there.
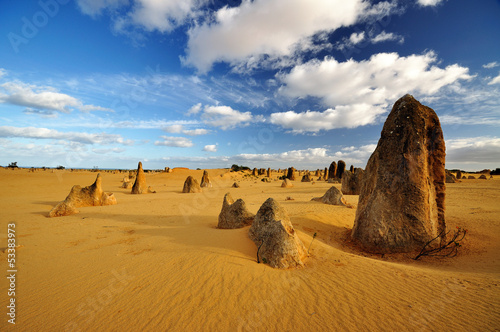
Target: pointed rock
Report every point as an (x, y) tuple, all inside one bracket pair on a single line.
[(306, 178), (81, 197), (333, 196), (234, 214), (191, 186), (401, 203), (205, 180), (286, 183), (140, 186), (273, 233), (332, 171)]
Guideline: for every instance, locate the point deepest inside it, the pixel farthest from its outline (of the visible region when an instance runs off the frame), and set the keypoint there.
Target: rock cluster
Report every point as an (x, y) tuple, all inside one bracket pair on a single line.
[(81, 197), (401, 203), (273, 234), (234, 214)]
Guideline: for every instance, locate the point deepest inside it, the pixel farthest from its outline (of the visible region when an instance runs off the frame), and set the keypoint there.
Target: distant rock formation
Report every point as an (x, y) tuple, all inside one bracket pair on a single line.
[(483, 177), (286, 183), (235, 185), (273, 233), (306, 177), (269, 172), (291, 174), (254, 172), (234, 214), (205, 180), (459, 175), (471, 177), (351, 169), (81, 197), (333, 196), (340, 169), (332, 171), (325, 174), (318, 173), (191, 186), (140, 186), (401, 203), (450, 178), (351, 182)]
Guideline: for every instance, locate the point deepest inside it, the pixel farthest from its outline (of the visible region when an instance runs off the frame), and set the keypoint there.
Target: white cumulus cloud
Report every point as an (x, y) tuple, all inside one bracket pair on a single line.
[(276, 28), (432, 3), (45, 133), (495, 80), (43, 98), (173, 141), (225, 117), (210, 148), (357, 92)]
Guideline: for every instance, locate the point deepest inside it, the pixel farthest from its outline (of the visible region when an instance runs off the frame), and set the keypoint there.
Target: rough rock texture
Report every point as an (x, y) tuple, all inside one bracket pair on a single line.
[(351, 182), (269, 172), (401, 203), (291, 174), (81, 197), (332, 170), (235, 185), (333, 196), (254, 172), (286, 183), (272, 231), (234, 214), (325, 174), (140, 186), (191, 186), (459, 175), (205, 180), (306, 178), (340, 169)]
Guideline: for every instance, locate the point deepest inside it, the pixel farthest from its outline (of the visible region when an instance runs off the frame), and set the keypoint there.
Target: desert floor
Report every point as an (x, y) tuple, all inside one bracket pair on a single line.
[(157, 262)]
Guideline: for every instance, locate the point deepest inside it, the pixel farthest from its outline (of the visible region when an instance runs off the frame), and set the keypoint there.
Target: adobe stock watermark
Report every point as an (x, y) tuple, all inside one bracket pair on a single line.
[(31, 25)]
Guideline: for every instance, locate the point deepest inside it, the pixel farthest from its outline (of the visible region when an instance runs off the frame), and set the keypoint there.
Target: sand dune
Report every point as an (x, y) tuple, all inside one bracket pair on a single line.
[(158, 262)]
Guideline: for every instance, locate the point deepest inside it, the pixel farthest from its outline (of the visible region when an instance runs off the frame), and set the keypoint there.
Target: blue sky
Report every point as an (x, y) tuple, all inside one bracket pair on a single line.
[(263, 83)]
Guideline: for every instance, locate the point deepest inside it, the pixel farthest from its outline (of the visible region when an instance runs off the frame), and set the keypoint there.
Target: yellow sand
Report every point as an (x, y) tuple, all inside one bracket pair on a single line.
[(156, 262)]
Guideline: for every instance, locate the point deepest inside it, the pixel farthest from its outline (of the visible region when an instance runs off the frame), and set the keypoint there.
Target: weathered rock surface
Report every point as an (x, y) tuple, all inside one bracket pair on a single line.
[(401, 203), (340, 169), (234, 214), (333, 196), (482, 177), (291, 174), (351, 182), (272, 231), (286, 183), (269, 172), (236, 185), (459, 175), (191, 186), (471, 177), (81, 197), (332, 171), (255, 172), (140, 186), (205, 180)]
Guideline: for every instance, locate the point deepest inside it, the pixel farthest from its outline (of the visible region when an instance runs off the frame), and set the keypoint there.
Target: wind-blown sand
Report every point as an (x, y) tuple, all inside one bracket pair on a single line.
[(156, 262)]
